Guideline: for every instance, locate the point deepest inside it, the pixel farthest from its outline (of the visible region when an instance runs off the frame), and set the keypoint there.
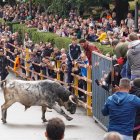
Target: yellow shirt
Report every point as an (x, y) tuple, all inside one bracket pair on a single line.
[(102, 37)]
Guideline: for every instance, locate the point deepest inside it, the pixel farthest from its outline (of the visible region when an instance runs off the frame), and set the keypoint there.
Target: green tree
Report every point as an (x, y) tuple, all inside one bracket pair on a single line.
[(62, 7)]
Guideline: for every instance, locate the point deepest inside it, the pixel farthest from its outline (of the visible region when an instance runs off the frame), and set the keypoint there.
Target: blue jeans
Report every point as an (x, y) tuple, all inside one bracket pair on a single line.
[(127, 137)]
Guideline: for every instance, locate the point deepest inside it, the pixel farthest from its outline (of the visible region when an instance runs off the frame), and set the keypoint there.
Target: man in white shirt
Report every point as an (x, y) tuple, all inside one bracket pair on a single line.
[(129, 21)]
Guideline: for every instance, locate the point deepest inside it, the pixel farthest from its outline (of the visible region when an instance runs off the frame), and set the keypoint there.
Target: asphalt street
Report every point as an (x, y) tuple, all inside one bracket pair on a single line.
[(27, 125)]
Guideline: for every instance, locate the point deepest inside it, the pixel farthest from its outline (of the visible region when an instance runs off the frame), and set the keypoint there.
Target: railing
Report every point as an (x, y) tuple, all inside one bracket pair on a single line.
[(87, 105)]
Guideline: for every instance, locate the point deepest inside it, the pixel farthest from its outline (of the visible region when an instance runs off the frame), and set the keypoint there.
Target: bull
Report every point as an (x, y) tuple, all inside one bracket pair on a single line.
[(44, 93)]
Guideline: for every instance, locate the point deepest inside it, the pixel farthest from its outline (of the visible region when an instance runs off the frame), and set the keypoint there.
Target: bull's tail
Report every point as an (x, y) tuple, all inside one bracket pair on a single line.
[(3, 83)]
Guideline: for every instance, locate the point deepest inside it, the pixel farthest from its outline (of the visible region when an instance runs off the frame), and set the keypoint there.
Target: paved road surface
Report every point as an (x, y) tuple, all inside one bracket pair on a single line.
[(27, 125)]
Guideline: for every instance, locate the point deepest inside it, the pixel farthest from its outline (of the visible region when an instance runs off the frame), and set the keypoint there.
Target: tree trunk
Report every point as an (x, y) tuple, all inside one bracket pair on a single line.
[(121, 9)]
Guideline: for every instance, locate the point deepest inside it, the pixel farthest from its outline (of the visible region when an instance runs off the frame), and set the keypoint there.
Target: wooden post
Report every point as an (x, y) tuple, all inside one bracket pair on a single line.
[(58, 67), (41, 77), (89, 112), (75, 81), (27, 58), (75, 85)]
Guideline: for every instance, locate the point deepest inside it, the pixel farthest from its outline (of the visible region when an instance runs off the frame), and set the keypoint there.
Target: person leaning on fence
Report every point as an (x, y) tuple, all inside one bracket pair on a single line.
[(74, 52), (55, 129), (63, 68), (88, 48), (112, 79), (113, 136), (36, 62), (83, 64), (121, 108), (3, 65), (133, 55)]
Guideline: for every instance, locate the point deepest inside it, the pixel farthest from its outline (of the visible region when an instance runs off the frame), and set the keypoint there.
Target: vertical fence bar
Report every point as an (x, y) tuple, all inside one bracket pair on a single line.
[(26, 60), (58, 68), (89, 101), (41, 75), (75, 85), (75, 81)]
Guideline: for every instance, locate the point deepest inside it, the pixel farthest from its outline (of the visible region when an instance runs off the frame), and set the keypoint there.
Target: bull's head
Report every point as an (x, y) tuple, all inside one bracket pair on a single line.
[(72, 104)]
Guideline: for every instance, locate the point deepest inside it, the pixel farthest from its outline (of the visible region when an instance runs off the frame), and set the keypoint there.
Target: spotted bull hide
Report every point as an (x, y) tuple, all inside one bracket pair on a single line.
[(45, 93)]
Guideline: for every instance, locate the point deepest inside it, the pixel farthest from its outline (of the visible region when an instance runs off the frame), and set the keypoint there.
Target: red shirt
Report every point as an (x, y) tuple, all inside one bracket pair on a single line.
[(88, 50)]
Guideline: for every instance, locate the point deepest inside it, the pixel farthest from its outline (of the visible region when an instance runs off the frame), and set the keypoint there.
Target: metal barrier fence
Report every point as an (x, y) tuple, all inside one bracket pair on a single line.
[(100, 67), (15, 69)]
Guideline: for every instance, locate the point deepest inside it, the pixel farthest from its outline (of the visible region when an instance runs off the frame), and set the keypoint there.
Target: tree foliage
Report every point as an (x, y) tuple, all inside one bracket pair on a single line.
[(62, 7)]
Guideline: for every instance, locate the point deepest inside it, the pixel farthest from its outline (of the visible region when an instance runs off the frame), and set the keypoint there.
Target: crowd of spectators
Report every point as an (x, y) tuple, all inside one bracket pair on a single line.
[(103, 30)]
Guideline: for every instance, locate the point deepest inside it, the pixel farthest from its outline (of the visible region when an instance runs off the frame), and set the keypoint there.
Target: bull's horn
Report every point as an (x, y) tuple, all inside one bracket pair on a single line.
[(71, 99)]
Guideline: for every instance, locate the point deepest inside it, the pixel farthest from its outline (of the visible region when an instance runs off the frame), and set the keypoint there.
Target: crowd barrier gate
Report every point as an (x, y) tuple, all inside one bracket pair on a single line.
[(100, 67)]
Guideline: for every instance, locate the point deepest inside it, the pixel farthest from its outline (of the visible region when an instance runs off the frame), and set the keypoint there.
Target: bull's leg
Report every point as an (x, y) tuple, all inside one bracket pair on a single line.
[(4, 108), (43, 114), (57, 108)]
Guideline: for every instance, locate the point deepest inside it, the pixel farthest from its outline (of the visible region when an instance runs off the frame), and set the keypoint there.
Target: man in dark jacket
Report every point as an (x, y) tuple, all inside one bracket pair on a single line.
[(121, 108), (74, 53), (3, 65)]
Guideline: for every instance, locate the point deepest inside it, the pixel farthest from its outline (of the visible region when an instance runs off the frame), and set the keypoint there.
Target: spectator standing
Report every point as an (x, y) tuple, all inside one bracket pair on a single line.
[(121, 108), (133, 55), (121, 49), (74, 53), (129, 21), (88, 48), (55, 129), (3, 65)]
